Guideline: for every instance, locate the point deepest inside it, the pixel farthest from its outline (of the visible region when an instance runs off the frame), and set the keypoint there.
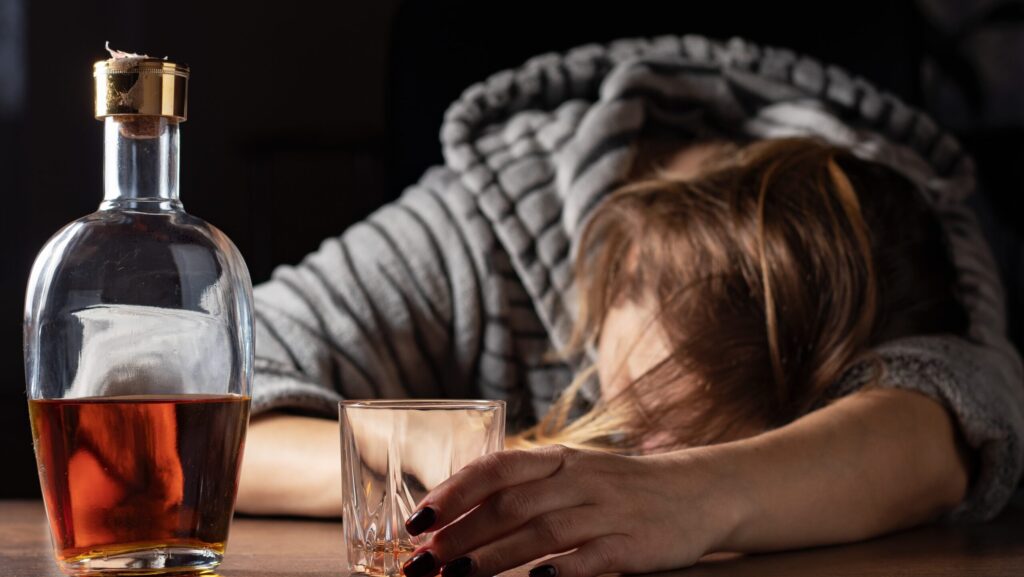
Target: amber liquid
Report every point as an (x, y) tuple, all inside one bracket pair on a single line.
[(127, 473), (383, 557)]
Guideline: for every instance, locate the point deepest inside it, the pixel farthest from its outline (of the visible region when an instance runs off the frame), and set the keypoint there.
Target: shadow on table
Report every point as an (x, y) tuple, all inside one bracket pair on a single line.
[(995, 548)]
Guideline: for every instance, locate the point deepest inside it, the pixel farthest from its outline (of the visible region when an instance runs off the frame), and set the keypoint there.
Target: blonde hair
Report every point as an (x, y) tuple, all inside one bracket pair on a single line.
[(773, 272)]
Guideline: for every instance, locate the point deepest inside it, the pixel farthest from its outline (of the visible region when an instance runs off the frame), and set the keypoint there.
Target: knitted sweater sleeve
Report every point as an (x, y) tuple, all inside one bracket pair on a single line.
[(391, 308)]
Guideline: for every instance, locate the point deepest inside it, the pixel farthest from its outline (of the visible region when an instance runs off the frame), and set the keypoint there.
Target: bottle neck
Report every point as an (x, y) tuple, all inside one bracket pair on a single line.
[(140, 163)]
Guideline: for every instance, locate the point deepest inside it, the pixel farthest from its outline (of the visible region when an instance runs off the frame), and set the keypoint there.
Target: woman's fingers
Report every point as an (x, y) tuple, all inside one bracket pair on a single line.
[(504, 512), (480, 479), (607, 554), (543, 535)]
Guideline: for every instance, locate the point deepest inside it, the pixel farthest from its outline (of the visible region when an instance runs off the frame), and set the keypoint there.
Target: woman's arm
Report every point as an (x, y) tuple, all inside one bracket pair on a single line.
[(389, 309), (292, 466), (873, 462), (292, 463), (870, 463)]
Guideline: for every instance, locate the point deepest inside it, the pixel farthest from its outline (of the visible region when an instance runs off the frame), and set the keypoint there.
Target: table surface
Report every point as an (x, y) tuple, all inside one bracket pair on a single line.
[(294, 548)]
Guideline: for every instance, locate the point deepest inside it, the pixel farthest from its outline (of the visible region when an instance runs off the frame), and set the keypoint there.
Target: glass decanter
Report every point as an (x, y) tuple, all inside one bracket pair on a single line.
[(138, 351)]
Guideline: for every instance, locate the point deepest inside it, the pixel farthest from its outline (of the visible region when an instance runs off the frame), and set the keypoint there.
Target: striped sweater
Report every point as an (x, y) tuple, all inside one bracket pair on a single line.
[(463, 286)]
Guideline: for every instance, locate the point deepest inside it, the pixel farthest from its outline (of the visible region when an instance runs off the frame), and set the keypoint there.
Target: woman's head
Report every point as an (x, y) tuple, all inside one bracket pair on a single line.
[(730, 300)]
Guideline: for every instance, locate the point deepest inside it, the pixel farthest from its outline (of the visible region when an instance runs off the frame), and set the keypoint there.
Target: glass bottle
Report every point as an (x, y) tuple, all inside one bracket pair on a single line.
[(138, 351)]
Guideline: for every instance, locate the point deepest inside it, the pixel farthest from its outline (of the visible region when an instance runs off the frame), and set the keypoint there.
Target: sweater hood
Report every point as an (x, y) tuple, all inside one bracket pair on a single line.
[(558, 132)]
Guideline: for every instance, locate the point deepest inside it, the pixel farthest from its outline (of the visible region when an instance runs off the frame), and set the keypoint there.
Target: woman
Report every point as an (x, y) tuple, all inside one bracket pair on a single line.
[(781, 357)]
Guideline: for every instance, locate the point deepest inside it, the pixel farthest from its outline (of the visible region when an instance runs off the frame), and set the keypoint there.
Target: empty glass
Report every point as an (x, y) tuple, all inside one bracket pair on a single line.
[(392, 453)]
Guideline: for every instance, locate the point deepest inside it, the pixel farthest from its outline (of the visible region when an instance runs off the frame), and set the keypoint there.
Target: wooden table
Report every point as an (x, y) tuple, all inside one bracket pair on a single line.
[(299, 548)]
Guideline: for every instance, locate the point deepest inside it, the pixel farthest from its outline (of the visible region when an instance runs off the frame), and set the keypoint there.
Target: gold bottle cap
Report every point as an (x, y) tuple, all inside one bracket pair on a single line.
[(133, 85)]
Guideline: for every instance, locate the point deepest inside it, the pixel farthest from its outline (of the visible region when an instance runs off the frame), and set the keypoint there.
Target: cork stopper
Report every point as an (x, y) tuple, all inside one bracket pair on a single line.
[(137, 86)]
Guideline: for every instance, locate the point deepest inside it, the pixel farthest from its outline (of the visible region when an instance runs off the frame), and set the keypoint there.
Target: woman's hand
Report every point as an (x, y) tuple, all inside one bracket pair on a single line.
[(869, 463), (620, 514)]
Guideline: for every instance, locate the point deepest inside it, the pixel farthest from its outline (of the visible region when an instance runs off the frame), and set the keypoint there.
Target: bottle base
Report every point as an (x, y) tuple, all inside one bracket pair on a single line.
[(149, 561)]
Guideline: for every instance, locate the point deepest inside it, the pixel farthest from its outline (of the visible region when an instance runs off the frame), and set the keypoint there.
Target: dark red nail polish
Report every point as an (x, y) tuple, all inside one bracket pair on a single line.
[(460, 567), (420, 521), (544, 571), (421, 565)]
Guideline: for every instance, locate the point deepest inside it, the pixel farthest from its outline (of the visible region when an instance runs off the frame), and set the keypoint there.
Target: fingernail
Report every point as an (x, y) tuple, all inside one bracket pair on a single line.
[(421, 565), (460, 567), (420, 521), (544, 571)]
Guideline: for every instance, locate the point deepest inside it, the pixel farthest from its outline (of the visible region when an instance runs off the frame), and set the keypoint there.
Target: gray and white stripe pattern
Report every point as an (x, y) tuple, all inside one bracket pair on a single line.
[(463, 286)]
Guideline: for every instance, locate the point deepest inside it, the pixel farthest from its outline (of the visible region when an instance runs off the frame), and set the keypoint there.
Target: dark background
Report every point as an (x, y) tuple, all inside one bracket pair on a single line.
[(305, 116)]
